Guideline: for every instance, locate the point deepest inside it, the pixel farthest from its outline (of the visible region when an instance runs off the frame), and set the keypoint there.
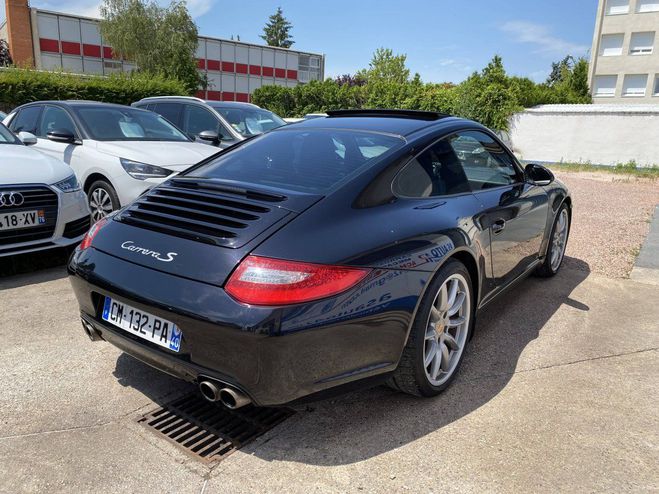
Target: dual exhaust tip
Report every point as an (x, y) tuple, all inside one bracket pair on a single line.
[(229, 397)]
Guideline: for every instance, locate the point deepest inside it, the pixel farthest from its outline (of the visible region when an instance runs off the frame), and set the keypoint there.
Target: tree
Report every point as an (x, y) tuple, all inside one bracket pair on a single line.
[(569, 80), (276, 32), (159, 40), (5, 56), (386, 67)]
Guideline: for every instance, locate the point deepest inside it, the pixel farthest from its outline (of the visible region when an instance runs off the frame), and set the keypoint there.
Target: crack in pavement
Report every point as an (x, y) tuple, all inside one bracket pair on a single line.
[(55, 431), (564, 364)]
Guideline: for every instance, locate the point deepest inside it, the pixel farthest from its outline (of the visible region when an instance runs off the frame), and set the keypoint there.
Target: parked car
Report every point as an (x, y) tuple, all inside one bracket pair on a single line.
[(221, 123), (339, 251), (41, 203), (117, 152)]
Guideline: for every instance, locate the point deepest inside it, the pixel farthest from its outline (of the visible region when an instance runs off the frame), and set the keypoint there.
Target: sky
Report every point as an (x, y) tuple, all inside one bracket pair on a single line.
[(444, 40)]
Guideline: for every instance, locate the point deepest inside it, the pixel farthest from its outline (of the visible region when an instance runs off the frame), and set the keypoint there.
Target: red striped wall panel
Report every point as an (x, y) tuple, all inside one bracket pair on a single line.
[(50, 45)]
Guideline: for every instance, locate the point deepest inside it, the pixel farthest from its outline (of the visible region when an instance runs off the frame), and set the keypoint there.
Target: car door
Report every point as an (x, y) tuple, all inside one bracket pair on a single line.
[(57, 118), (514, 211)]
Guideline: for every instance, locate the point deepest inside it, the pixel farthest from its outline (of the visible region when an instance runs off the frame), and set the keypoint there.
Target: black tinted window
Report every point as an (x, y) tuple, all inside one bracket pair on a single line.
[(485, 163), (302, 160), (198, 119), (435, 172), (171, 111), (55, 118), (26, 120)]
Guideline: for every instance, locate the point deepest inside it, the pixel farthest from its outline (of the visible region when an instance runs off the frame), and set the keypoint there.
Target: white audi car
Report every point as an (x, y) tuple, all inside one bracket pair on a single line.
[(42, 205), (117, 152)]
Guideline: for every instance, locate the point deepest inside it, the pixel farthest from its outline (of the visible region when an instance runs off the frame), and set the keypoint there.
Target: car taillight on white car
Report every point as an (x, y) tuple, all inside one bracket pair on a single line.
[(265, 281)]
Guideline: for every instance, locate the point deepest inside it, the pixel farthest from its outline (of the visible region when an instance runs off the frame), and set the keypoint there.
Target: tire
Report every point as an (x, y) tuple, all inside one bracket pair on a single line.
[(102, 199), (413, 375), (552, 264)]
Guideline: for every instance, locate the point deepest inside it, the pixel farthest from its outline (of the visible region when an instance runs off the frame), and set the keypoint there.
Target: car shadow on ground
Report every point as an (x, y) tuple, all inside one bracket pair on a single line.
[(35, 267), (364, 424)]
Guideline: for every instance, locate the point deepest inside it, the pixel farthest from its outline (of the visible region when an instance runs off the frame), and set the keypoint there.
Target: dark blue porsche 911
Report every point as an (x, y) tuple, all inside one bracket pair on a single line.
[(336, 252)]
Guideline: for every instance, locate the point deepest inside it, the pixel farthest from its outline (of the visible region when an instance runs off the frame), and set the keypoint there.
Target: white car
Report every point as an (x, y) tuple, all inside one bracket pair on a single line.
[(117, 152), (41, 203)]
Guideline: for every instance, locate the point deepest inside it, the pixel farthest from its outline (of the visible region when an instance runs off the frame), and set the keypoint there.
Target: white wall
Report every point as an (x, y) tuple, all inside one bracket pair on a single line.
[(600, 134)]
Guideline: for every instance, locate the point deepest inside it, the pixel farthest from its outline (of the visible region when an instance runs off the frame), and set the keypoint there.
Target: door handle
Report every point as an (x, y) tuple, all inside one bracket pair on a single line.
[(498, 226)]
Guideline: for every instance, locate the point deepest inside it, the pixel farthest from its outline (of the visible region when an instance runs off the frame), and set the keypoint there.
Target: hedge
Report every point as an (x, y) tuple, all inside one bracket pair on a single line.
[(18, 86)]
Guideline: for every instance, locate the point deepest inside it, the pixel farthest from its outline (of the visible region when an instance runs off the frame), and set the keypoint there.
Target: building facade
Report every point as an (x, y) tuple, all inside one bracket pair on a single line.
[(624, 65), (53, 41)]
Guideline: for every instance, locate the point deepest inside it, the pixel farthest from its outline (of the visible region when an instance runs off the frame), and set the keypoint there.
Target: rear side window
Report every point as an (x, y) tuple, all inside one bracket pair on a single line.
[(26, 120), (311, 161), (171, 111), (437, 171)]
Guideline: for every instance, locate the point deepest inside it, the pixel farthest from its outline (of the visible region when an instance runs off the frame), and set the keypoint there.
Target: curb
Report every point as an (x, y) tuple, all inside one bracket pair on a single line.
[(646, 268)]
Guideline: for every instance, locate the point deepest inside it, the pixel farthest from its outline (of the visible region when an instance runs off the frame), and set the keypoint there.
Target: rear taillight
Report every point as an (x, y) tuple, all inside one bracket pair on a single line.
[(87, 239), (265, 281)]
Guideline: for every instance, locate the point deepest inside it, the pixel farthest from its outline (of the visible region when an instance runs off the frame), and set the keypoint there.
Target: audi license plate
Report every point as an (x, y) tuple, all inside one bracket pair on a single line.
[(147, 326), (22, 219)]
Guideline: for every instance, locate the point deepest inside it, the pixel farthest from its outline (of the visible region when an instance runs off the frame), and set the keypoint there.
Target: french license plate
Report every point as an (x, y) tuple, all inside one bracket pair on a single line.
[(22, 219), (147, 326)]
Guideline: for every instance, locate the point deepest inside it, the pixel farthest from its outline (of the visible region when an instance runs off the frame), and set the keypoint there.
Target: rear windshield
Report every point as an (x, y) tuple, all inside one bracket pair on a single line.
[(127, 124), (249, 121), (6, 137), (311, 161)]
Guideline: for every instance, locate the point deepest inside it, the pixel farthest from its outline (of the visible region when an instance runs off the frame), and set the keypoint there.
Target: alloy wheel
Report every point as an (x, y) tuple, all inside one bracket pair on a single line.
[(100, 203), (559, 240), (446, 329)]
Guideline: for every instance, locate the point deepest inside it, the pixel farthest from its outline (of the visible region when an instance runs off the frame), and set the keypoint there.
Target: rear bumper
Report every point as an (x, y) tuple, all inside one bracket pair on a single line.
[(274, 355)]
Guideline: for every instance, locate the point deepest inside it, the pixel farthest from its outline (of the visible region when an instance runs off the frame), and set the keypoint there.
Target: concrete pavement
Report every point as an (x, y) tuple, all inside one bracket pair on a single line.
[(558, 392)]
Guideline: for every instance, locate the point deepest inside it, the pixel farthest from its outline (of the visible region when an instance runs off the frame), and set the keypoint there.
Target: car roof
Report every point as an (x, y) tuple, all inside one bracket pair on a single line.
[(231, 104), (398, 122), (79, 103)]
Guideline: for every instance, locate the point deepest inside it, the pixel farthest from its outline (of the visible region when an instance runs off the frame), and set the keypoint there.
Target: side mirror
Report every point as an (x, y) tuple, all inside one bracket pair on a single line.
[(27, 138), (538, 174), (61, 135), (210, 136)]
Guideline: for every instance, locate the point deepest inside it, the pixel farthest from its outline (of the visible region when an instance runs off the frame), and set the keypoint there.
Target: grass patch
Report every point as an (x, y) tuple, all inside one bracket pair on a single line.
[(628, 168)]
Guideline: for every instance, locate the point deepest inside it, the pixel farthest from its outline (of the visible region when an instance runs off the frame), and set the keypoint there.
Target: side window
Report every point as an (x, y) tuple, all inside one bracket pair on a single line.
[(485, 163), (435, 172), (55, 118), (26, 120), (197, 120), (170, 111)]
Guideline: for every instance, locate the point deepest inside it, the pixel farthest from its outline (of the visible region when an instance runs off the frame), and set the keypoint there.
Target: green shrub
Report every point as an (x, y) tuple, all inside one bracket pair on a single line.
[(18, 86)]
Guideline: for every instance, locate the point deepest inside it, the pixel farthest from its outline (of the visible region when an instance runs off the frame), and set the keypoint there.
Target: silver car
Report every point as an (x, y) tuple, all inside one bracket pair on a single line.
[(41, 203)]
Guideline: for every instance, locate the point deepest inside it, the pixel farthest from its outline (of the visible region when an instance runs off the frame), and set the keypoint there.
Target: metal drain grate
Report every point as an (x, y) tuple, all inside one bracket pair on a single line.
[(208, 431)]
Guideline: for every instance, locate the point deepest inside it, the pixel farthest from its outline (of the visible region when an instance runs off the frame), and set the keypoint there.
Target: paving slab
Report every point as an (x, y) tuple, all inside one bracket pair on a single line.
[(558, 393), (646, 268), (105, 459)]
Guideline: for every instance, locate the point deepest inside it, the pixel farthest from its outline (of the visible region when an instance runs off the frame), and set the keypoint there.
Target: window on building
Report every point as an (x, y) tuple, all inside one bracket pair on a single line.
[(647, 6), (641, 43), (616, 7), (634, 85), (308, 68), (611, 45), (656, 85), (605, 86)]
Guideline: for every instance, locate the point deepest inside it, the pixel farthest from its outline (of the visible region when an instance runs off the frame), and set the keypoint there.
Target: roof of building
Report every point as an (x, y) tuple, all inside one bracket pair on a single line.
[(597, 108)]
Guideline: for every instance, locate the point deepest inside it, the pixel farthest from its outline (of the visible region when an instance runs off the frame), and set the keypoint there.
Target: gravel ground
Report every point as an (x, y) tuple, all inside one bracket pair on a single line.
[(611, 218)]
